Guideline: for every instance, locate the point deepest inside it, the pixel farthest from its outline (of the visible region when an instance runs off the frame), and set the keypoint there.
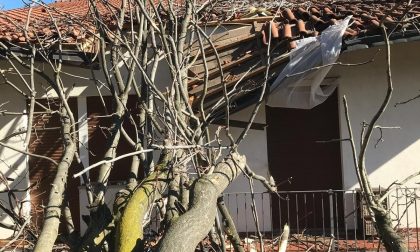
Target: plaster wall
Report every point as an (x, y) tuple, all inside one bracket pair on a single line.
[(394, 156), (238, 197), (12, 164)]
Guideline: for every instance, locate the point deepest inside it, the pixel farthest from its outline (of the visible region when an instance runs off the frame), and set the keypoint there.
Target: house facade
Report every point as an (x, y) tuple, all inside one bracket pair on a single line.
[(301, 149), (303, 144)]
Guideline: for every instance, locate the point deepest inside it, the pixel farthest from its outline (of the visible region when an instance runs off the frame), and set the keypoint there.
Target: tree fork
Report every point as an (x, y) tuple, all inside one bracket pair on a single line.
[(190, 228)]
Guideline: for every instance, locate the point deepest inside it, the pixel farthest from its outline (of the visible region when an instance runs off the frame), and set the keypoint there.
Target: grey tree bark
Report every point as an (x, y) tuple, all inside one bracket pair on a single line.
[(230, 228), (190, 228)]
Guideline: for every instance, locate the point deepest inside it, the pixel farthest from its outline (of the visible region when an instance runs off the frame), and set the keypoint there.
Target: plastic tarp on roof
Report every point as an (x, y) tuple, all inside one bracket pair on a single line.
[(302, 82)]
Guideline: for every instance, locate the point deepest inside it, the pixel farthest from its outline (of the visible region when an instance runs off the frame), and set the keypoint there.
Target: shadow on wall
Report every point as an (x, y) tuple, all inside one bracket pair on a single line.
[(392, 155), (12, 163)]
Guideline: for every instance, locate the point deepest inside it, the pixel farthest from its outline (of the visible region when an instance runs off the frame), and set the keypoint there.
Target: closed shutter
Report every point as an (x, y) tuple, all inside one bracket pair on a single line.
[(46, 140), (294, 150), (99, 136)]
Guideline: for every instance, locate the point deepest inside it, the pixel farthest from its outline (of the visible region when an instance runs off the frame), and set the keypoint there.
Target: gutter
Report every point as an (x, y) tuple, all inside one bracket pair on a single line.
[(377, 40)]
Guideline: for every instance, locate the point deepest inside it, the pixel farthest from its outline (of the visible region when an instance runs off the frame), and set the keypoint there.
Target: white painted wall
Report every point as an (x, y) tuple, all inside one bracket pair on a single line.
[(254, 147), (238, 199), (109, 201), (12, 163), (365, 86)]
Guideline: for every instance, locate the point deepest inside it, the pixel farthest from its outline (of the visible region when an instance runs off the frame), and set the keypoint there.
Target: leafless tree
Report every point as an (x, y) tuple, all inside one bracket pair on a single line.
[(130, 40), (381, 215)]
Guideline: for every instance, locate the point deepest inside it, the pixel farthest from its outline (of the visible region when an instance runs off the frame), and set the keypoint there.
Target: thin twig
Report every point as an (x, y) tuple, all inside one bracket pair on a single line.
[(28, 153)]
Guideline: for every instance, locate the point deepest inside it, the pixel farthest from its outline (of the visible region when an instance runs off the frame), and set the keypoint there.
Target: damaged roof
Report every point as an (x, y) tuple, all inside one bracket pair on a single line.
[(293, 19), (240, 49)]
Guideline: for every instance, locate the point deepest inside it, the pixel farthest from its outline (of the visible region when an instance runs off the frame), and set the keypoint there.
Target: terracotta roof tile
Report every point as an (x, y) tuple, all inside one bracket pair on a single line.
[(41, 25), (294, 20), (309, 19)]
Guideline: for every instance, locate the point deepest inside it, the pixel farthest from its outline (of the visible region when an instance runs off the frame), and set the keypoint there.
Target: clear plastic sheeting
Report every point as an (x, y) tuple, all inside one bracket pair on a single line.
[(302, 83)]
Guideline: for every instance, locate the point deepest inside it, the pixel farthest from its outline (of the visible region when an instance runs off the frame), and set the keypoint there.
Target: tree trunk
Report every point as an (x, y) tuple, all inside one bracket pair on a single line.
[(190, 228), (392, 241), (52, 215), (229, 225), (130, 228)]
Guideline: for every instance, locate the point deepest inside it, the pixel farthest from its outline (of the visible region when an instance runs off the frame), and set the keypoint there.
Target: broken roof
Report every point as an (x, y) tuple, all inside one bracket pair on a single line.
[(240, 48), (240, 51), (294, 19)]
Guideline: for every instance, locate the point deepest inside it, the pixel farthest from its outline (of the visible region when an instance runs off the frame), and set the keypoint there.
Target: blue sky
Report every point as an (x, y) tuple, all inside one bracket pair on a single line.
[(13, 4)]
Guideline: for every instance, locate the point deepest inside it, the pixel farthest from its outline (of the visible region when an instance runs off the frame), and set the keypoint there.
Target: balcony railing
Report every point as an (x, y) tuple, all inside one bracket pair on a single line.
[(323, 220), (335, 220)]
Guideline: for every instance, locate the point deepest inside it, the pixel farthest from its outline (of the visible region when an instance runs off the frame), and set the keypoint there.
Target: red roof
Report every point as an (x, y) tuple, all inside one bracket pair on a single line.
[(12, 22), (297, 19), (294, 19)]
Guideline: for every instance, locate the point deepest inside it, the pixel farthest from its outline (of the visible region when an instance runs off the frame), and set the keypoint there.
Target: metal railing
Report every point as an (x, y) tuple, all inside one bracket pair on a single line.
[(322, 219)]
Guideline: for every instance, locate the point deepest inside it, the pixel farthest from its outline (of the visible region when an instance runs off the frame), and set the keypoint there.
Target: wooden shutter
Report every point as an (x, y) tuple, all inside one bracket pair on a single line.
[(46, 140), (294, 150)]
